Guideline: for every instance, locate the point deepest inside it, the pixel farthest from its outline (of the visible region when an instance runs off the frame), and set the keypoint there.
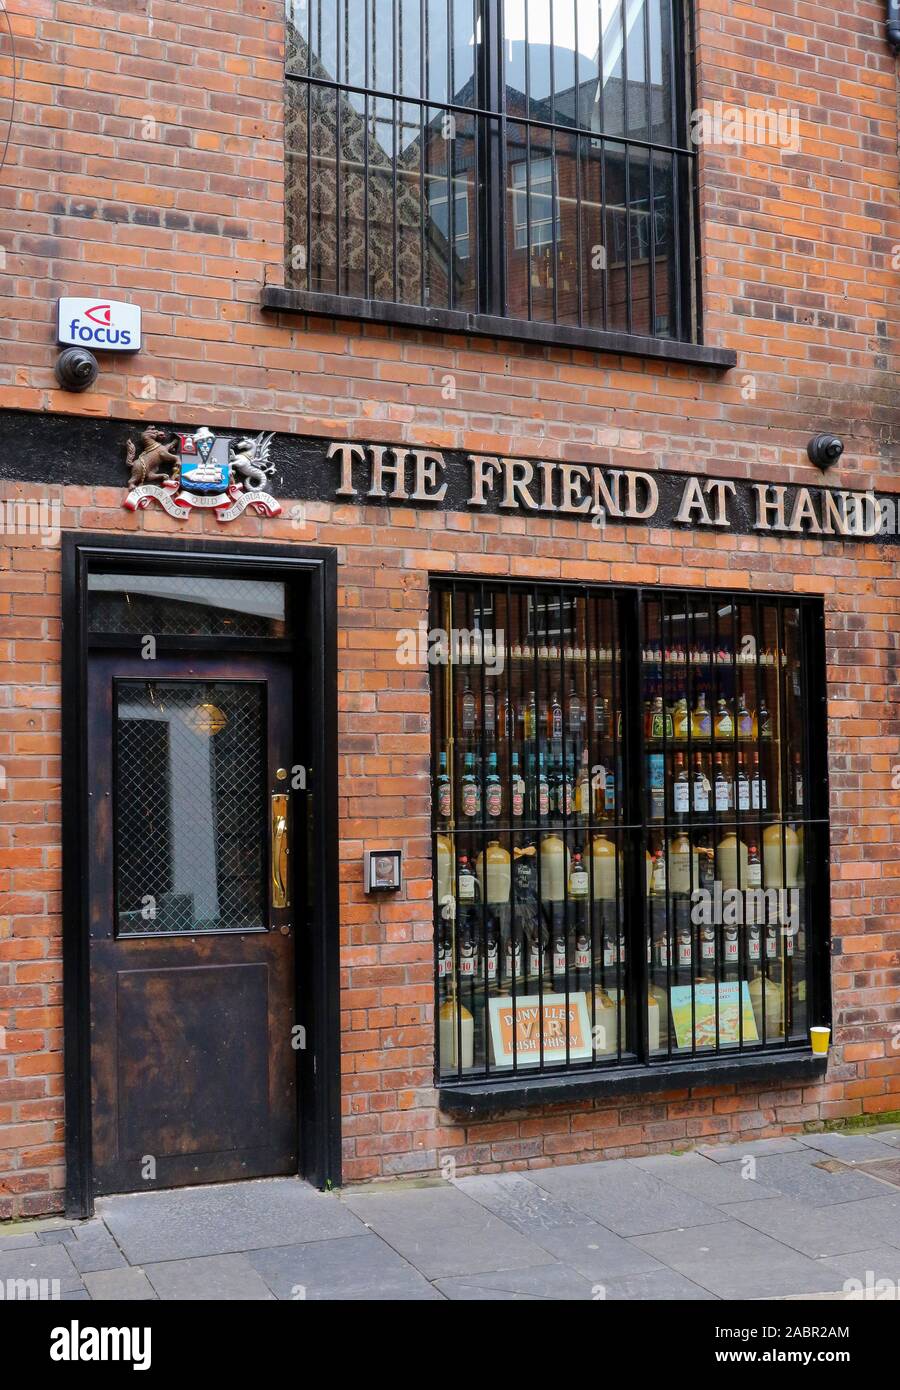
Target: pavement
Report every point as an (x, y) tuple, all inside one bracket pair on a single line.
[(815, 1216)]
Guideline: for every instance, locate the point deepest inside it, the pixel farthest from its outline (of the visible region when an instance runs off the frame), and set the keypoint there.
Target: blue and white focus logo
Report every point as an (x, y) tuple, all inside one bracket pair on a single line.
[(103, 325)]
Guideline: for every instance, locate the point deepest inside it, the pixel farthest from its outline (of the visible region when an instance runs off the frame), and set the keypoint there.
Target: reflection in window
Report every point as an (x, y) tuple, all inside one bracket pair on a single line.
[(552, 154)]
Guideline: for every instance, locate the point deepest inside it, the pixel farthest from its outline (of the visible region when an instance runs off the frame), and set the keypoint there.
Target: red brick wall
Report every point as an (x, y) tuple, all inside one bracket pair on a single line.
[(798, 279)]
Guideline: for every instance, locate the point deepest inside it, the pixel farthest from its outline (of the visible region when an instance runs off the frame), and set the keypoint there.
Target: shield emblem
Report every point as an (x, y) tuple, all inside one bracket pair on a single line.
[(204, 462)]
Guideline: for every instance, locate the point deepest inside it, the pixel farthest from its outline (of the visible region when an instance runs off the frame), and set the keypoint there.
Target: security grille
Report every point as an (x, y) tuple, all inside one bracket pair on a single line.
[(190, 846)]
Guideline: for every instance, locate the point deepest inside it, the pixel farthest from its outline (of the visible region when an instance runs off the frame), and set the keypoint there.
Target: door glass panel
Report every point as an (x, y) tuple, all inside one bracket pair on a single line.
[(178, 605), (190, 800)]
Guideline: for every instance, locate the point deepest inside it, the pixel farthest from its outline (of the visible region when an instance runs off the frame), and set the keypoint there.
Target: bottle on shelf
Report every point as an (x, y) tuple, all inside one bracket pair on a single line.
[(513, 962), (579, 878), (490, 715), (467, 883), (744, 718), (559, 958), (700, 787), (754, 868), (518, 789), (444, 789), (564, 791), (506, 718), (681, 787), (576, 712), (722, 787), (680, 719), (741, 786), (470, 791), (601, 725), (609, 794), (798, 783), (658, 875), (732, 945), (468, 719), (759, 791), (530, 716), (493, 789), (469, 951), (491, 953), (542, 800), (657, 781), (764, 719), (555, 720), (583, 787), (701, 722), (724, 723), (685, 947), (583, 954)]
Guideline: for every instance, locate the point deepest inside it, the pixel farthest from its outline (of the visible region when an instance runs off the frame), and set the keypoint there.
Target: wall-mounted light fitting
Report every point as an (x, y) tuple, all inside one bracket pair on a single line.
[(825, 450)]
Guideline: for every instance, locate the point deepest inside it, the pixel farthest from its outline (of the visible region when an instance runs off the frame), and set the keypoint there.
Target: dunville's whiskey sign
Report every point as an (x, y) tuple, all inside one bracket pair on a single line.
[(423, 477)]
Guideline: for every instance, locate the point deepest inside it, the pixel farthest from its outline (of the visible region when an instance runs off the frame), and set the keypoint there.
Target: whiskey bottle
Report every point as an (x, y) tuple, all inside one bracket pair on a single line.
[(681, 787), (582, 949), (563, 791), (798, 783), (700, 787), (701, 722), (657, 781), (722, 788), (468, 710), (742, 786), (468, 948), (492, 953), (579, 879), (493, 789), (724, 721), (559, 959), (732, 945), (759, 792), (658, 875), (530, 716), (754, 868), (470, 791), (555, 721), (680, 719), (576, 713), (764, 719), (518, 789), (467, 883), (513, 961), (601, 714), (444, 789), (744, 718), (543, 790), (685, 947), (490, 715)]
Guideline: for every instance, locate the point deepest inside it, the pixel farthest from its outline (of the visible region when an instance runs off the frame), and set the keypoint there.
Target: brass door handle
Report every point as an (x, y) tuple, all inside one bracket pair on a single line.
[(280, 851)]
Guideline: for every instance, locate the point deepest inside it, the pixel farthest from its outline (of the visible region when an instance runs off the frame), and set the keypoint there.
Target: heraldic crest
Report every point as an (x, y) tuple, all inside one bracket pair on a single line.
[(204, 470)]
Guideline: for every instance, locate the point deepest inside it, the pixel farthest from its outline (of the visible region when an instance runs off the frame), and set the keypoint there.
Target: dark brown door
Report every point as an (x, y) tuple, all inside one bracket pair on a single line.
[(193, 1067)]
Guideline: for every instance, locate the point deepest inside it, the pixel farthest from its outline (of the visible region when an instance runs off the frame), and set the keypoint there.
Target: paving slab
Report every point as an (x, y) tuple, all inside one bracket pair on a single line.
[(444, 1233), (94, 1248), (39, 1262), (822, 1231), (888, 1136), (594, 1252), (868, 1267), (624, 1198), (655, 1284), (18, 1242), (729, 1153), (216, 1278), (711, 1182), (550, 1281), (849, 1148), (798, 1175), (63, 1236), (738, 1264), (353, 1267), (119, 1285), (188, 1222), (521, 1203)]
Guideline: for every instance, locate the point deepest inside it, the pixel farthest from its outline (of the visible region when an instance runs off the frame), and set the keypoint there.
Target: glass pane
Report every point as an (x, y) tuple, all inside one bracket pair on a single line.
[(296, 14), (296, 212), (323, 45), (323, 189), (169, 605), (528, 852), (189, 810), (381, 212)]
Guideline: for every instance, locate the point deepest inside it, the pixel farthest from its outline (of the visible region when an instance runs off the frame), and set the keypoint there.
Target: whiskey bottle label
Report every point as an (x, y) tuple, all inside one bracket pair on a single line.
[(518, 796), (701, 795), (470, 800), (754, 947), (743, 795), (579, 883), (731, 947), (681, 794), (708, 948), (494, 800), (467, 963), (444, 801), (754, 875), (543, 799), (583, 957), (723, 800), (466, 887), (685, 953)]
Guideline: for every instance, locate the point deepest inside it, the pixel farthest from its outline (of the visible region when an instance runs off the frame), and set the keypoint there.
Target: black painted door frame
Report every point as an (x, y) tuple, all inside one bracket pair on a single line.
[(310, 574)]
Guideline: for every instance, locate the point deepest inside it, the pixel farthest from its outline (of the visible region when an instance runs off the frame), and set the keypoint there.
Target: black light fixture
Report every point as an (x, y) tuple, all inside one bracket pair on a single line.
[(825, 450), (76, 369), (893, 25)]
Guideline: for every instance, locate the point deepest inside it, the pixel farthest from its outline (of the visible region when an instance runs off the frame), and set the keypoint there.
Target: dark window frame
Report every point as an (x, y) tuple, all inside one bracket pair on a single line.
[(675, 334), (484, 1089)]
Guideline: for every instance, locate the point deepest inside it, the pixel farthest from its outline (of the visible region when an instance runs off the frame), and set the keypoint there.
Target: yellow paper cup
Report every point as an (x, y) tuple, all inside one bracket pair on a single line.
[(819, 1037)]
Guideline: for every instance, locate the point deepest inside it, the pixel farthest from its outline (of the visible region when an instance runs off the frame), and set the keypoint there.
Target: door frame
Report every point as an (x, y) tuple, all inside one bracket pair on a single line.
[(310, 572)]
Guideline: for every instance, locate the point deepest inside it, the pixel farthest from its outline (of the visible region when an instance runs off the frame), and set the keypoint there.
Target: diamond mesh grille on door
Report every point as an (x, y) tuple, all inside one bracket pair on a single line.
[(165, 605), (190, 794)]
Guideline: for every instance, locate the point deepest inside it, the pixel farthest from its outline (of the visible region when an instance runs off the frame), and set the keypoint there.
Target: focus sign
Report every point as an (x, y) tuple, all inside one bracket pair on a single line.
[(104, 325)]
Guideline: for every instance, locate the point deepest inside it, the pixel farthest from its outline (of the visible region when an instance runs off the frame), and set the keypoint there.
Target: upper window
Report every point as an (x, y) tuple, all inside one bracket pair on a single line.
[(524, 159)]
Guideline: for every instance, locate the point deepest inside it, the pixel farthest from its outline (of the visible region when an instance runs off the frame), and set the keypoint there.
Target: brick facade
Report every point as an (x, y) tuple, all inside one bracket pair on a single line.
[(146, 163)]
